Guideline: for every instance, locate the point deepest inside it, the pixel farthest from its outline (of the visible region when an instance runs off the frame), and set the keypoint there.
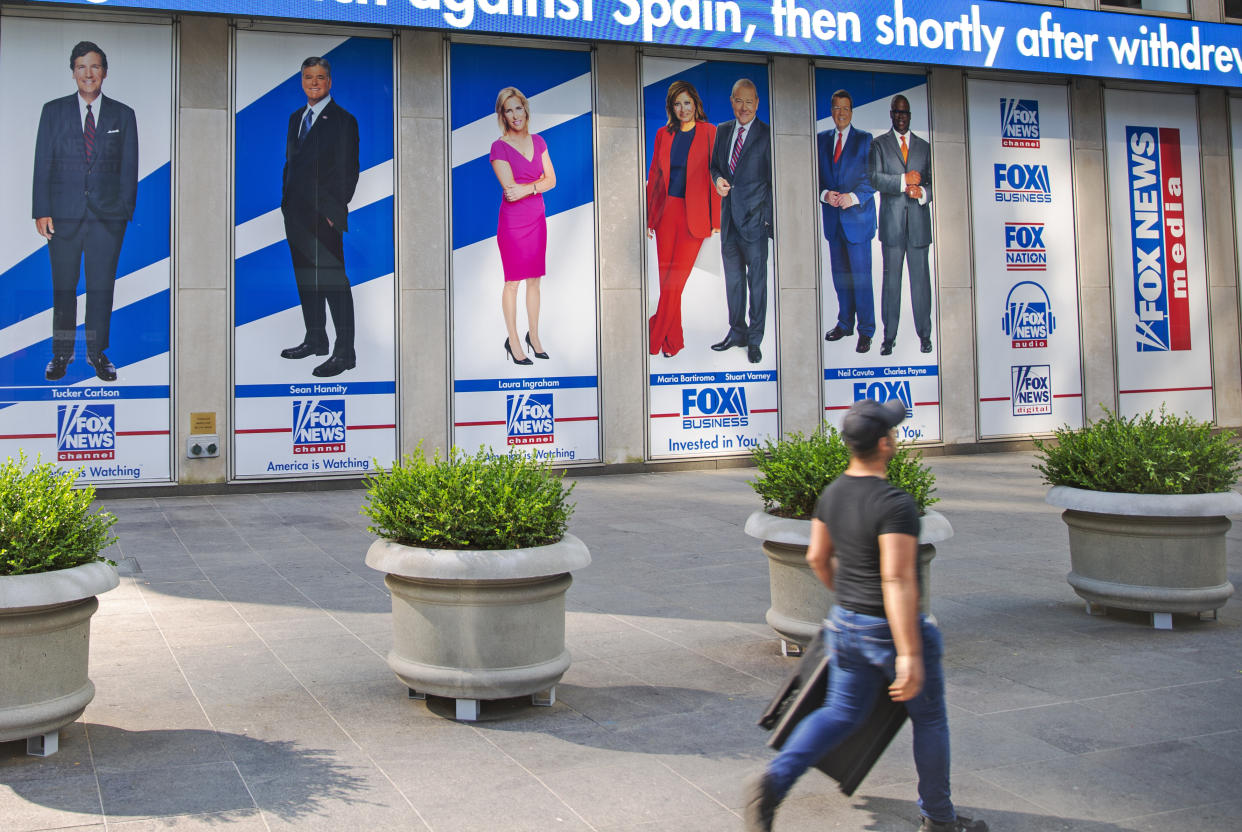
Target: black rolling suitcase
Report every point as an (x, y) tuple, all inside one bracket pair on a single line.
[(804, 691)]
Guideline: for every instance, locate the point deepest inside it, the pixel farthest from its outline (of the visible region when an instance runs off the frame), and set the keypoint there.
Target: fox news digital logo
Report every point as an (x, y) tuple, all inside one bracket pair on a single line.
[(714, 407), (1022, 183), (529, 419), (883, 391), (1019, 122), (1024, 247), (1032, 389), (318, 426), (85, 431)]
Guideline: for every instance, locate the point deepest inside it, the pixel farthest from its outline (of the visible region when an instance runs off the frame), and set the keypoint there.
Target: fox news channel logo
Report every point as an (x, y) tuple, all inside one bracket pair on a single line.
[(714, 407), (529, 419), (1032, 389), (883, 391), (1019, 122), (1028, 318), (1022, 183), (318, 426), (85, 431), (1024, 247)]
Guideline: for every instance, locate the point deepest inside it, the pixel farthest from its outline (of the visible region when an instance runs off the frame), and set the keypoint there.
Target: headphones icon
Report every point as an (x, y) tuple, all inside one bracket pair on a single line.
[(1010, 319)]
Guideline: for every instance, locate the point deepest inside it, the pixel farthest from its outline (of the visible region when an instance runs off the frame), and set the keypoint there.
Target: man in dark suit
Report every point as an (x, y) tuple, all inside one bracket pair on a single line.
[(321, 172), (900, 169), (848, 202), (85, 186), (741, 168)]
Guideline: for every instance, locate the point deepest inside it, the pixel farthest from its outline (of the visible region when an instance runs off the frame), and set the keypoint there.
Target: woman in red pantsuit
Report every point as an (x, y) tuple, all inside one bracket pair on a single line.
[(683, 208)]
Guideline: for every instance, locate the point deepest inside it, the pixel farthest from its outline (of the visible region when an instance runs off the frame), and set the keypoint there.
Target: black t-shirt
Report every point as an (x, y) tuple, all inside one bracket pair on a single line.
[(857, 510)]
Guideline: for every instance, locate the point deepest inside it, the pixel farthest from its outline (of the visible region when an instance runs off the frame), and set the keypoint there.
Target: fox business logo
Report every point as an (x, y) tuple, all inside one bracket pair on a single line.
[(714, 407), (1028, 318), (1019, 122), (318, 426), (1022, 183), (1024, 247), (1032, 389), (85, 431), (883, 391), (529, 419)]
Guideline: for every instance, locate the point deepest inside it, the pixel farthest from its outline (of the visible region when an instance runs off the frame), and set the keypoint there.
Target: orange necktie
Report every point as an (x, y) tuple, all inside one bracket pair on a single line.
[(905, 151)]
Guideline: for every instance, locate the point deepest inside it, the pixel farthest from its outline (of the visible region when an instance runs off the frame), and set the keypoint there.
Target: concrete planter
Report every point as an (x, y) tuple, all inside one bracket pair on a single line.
[(474, 625), (45, 632), (1157, 553), (800, 602)]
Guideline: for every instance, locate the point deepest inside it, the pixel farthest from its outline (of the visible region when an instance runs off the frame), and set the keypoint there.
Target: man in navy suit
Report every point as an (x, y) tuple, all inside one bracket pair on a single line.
[(741, 168), (85, 186), (848, 202), (321, 172)]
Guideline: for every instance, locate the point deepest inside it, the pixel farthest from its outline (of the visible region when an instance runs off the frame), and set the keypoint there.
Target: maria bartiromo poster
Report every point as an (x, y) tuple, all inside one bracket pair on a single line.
[(314, 292), (85, 196)]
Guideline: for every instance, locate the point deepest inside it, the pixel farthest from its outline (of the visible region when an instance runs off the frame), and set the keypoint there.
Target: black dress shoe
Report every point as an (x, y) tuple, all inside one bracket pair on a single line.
[(729, 342), (334, 366), (525, 362), (753, 354), (864, 344), (103, 367), (886, 347), (56, 367), (925, 345), (535, 352), (302, 350), (837, 333)]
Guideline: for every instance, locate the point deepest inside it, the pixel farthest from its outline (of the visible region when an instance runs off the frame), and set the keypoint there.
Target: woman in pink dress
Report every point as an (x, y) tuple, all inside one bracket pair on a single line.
[(521, 162)]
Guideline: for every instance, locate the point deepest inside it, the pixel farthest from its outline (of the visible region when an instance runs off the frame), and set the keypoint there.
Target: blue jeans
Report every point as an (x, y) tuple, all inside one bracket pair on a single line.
[(863, 659)]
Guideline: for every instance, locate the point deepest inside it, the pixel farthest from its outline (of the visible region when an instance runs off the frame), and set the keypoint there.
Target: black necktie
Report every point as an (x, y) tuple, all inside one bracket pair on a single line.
[(88, 134)]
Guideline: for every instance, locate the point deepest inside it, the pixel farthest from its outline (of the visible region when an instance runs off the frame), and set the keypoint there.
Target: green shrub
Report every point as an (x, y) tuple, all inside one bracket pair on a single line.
[(797, 467), (1145, 454), (45, 523), (485, 501)]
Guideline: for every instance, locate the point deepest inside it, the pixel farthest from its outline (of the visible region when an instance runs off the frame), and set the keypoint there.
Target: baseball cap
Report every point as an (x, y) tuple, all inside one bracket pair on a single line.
[(867, 420)]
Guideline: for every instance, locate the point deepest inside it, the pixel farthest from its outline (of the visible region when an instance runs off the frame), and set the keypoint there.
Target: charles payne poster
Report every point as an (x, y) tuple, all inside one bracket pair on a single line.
[(525, 367), (711, 302), (314, 294), (1026, 272), (1159, 273), (85, 194), (877, 269)]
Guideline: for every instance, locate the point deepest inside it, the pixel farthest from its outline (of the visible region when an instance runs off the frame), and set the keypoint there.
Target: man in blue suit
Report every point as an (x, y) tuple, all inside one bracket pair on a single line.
[(85, 187), (848, 202)]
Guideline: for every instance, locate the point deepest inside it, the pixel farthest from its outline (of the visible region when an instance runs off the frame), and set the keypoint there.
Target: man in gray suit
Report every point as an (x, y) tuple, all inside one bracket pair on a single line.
[(900, 169)]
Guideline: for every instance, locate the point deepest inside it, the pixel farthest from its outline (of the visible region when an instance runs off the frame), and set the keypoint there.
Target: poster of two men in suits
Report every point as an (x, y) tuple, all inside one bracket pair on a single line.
[(877, 277)]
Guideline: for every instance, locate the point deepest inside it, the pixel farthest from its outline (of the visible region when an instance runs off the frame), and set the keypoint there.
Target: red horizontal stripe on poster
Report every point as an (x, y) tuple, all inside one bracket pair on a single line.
[(994, 399), (927, 404), (665, 415), (1167, 390), (142, 433), (265, 430), (763, 410), (29, 436), (577, 419), (369, 427), (476, 424), (1067, 396)]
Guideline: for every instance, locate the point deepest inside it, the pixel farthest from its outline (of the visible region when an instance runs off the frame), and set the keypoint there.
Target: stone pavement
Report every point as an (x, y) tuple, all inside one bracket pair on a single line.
[(242, 684)]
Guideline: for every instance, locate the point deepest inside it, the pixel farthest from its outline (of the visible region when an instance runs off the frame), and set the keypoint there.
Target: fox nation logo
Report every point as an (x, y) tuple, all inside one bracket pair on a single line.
[(529, 419), (1024, 247), (1032, 389), (714, 407), (1022, 183), (85, 431), (318, 426), (883, 391), (1019, 122)]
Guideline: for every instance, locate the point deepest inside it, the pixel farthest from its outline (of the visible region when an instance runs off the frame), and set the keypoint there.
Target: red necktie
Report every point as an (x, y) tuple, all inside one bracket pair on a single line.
[(737, 149), (88, 134), (836, 154)]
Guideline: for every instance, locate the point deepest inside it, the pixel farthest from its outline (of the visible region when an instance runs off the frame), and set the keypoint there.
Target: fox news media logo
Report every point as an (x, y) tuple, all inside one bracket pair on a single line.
[(85, 431), (714, 407), (1019, 122), (1022, 183), (1024, 247), (883, 391), (1032, 389), (528, 418), (1028, 318), (318, 426)]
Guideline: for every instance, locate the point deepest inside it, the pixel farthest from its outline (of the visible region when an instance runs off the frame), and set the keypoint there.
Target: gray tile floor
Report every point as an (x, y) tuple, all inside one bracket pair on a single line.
[(242, 684)]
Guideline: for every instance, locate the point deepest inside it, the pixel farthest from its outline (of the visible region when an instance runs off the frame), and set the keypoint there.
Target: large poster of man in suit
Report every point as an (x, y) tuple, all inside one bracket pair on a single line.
[(878, 291), (85, 129)]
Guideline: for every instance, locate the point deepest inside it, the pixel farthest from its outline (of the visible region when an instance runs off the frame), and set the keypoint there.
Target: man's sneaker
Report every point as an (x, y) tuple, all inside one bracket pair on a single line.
[(761, 803), (961, 824)]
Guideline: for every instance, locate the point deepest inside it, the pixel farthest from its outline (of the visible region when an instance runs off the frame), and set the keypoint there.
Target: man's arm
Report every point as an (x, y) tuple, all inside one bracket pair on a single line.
[(718, 171), (41, 200), (819, 554), (885, 183), (900, 585), (129, 163), (345, 171)]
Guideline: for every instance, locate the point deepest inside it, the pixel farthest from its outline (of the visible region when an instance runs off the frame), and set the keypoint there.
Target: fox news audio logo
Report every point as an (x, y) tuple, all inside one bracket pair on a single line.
[(1022, 183), (714, 407), (1158, 239), (1024, 247), (1028, 318), (1019, 122), (529, 419), (1032, 389), (318, 426), (85, 431), (883, 391)]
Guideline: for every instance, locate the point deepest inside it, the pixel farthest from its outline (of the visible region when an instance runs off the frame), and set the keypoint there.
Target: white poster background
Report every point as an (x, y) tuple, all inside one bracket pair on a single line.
[(1014, 379), (34, 69), (1179, 379)]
